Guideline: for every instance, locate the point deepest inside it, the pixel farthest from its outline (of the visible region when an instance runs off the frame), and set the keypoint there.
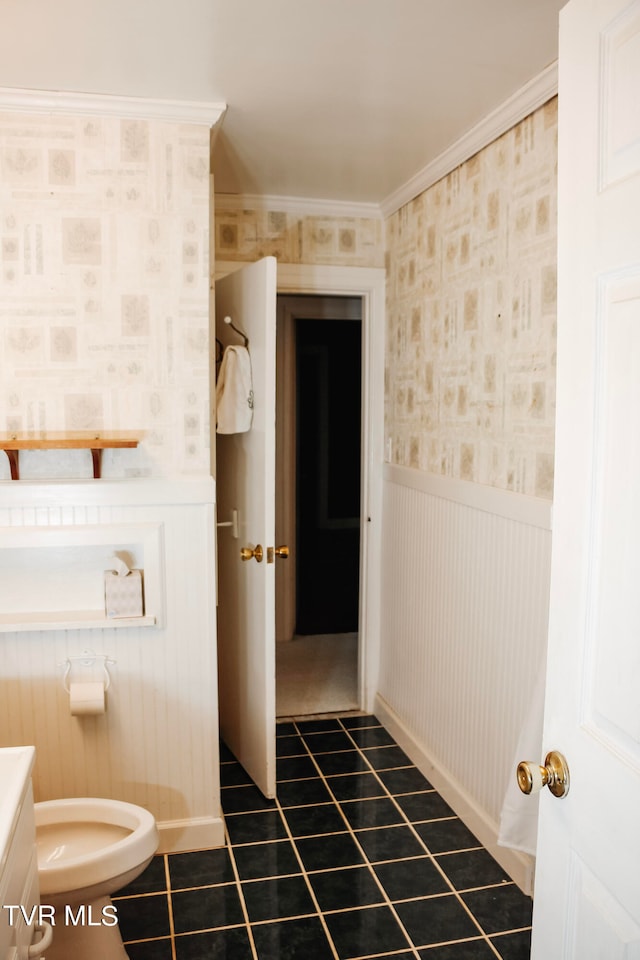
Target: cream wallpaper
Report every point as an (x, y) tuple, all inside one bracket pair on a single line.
[(250, 234), (104, 296), (471, 317)]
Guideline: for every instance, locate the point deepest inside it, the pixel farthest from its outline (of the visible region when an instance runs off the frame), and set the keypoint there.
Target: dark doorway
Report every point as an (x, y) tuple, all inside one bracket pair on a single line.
[(328, 428)]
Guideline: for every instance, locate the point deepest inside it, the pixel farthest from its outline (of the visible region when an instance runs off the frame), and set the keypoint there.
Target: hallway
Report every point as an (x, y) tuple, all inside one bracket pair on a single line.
[(358, 857), (317, 674)]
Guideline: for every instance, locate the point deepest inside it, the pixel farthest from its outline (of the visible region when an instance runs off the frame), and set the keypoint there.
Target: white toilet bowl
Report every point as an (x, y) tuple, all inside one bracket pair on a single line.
[(87, 849)]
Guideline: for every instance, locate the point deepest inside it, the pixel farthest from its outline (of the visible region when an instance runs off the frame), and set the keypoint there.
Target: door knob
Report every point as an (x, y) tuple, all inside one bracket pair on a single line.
[(248, 554), (554, 774), (273, 552)]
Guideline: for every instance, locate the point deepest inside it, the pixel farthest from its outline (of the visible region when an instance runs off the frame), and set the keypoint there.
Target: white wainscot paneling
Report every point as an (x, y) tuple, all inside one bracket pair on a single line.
[(464, 629), (157, 742)]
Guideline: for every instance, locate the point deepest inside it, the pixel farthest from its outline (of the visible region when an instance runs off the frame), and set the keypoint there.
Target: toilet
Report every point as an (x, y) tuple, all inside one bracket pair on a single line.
[(87, 849)]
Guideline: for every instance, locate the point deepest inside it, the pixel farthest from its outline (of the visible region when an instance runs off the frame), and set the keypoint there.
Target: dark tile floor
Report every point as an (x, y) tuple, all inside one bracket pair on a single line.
[(358, 857)]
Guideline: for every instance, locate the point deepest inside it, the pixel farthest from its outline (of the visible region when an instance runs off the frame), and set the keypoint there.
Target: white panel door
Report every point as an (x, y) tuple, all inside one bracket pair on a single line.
[(587, 891), (245, 487)]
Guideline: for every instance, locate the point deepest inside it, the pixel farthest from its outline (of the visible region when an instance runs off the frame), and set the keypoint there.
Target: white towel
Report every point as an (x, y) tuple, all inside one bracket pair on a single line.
[(234, 392)]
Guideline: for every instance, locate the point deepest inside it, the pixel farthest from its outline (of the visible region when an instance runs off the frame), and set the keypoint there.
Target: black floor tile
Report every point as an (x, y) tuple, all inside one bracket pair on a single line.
[(328, 742), (150, 950), (311, 821), (406, 879), (260, 860), (278, 899), (372, 737), (386, 758), (234, 775), (356, 786), (152, 880), (360, 933), (379, 812), (443, 836), (216, 945), (513, 946), (292, 746), (341, 889), (347, 761), (255, 827), (358, 833), (367, 721), (294, 793), (225, 753), (436, 920), (206, 907), (200, 869), (318, 726), (424, 806), (466, 950), (404, 780), (303, 939), (500, 908), (473, 868), (140, 918), (325, 853), (389, 843), (285, 728), (244, 799), (295, 768)]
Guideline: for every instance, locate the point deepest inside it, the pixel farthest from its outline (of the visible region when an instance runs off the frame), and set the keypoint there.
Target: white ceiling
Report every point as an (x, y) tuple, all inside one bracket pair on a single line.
[(328, 99)]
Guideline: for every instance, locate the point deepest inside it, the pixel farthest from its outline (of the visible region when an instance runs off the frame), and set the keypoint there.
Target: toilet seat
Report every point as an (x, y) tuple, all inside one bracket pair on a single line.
[(87, 842)]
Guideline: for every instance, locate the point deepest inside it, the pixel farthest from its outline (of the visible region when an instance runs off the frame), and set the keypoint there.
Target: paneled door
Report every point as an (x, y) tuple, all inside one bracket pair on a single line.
[(587, 890), (245, 496)]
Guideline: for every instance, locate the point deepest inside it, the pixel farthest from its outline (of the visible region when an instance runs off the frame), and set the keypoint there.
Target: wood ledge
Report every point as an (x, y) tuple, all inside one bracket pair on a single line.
[(94, 440)]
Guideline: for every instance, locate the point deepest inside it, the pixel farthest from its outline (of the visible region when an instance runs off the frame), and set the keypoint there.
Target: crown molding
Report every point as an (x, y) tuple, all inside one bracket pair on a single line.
[(297, 206), (105, 105), (527, 99)]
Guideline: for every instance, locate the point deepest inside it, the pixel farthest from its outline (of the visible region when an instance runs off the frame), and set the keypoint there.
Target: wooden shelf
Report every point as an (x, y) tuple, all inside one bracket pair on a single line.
[(96, 441), (68, 620)]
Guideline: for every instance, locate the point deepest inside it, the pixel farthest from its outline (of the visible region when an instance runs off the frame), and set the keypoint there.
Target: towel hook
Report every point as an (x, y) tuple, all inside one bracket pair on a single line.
[(231, 324)]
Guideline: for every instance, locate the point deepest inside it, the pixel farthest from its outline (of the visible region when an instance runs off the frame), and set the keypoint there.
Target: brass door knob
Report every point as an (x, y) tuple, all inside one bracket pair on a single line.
[(555, 775), (273, 552), (248, 554)]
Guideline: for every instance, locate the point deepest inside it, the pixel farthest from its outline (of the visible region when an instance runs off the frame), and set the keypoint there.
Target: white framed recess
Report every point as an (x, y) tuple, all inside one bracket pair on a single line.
[(53, 576)]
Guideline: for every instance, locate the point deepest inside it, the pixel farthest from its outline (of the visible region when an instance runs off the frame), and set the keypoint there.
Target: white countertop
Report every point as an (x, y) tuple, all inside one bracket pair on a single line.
[(16, 764)]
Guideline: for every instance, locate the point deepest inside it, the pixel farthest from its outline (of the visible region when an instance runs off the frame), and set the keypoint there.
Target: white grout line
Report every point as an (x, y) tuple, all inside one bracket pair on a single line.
[(238, 882), (172, 931)]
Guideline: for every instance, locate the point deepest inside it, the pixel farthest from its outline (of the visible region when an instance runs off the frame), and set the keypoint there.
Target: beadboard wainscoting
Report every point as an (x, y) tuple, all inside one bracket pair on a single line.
[(464, 627), (157, 742)]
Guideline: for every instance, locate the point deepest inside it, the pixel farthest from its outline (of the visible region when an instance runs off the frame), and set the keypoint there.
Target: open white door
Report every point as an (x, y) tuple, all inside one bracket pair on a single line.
[(587, 890), (245, 487)]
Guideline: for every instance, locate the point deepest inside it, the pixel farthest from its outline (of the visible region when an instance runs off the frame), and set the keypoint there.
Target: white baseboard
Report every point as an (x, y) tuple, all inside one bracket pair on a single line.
[(519, 866), (180, 836)]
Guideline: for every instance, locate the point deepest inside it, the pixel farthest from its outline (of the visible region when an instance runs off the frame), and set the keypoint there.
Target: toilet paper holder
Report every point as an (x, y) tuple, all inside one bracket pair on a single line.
[(87, 660)]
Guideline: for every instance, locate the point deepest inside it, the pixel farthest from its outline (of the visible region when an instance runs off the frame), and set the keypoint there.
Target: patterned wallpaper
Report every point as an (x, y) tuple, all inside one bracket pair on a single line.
[(250, 234), (104, 296), (471, 317)]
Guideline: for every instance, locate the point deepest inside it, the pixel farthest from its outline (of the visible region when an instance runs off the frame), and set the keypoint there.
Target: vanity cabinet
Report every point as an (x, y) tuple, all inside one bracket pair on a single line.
[(21, 936)]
